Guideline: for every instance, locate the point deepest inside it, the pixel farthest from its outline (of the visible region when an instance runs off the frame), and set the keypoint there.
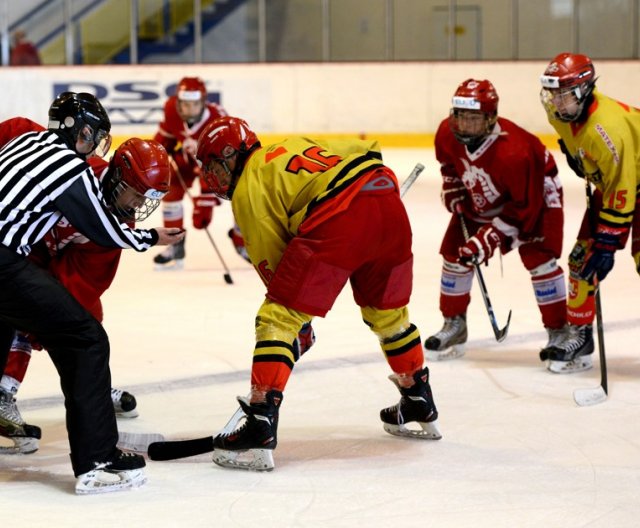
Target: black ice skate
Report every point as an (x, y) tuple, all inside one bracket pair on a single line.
[(121, 471), (416, 405), (574, 353), (124, 403), (449, 342), (172, 257), (251, 445), (24, 436)]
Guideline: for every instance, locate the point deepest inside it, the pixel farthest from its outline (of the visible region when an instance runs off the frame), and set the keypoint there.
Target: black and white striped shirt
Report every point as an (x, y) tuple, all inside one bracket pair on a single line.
[(41, 180)]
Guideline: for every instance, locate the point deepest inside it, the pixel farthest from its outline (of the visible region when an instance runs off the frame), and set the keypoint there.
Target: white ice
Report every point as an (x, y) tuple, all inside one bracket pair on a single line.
[(516, 450)]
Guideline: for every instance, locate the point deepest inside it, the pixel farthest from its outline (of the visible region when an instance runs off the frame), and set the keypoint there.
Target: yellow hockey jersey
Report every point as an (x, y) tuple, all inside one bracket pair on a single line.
[(290, 186)]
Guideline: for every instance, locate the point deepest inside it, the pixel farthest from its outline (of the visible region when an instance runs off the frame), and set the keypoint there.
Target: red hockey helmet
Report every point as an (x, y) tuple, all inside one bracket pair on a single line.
[(474, 111), (223, 148), (567, 82), (138, 178), (191, 95)]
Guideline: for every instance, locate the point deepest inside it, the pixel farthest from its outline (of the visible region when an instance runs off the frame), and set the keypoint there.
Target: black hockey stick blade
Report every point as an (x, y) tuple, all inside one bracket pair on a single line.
[(228, 279), (174, 449), (501, 335)]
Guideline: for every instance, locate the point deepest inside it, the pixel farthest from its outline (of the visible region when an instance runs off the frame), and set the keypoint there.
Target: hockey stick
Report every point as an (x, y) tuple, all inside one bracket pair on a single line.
[(227, 273), (174, 449), (500, 334), (593, 396), (406, 184), (137, 442)]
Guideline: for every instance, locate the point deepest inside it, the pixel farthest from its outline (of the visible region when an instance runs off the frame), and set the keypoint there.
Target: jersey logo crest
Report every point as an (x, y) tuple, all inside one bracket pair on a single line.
[(478, 182)]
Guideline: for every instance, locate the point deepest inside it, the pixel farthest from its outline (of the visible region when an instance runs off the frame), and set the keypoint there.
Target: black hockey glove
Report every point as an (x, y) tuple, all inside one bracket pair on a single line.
[(600, 257)]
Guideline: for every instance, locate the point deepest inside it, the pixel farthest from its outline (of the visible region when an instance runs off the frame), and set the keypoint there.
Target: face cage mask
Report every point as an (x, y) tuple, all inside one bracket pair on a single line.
[(468, 139), (131, 214), (221, 190), (574, 97)]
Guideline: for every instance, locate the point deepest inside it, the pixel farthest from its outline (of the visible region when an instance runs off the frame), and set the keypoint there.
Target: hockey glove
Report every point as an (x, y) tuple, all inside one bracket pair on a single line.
[(305, 340), (574, 164), (203, 210), (454, 198), (600, 256), (453, 194), (238, 243), (480, 247)]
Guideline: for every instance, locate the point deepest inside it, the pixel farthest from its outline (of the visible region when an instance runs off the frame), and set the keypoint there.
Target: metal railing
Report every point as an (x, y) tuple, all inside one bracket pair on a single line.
[(214, 31)]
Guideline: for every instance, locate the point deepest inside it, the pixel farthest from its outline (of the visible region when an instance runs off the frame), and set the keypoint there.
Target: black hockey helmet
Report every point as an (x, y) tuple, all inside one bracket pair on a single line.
[(72, 114)]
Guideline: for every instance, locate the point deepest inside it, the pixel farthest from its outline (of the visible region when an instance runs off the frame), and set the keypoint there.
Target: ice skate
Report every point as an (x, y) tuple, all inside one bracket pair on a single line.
[(251, 445), (574, 353), (556, 336), (171, 258), (449, 342), (124, 403), (416, 405), (121, 471), (25, 437)]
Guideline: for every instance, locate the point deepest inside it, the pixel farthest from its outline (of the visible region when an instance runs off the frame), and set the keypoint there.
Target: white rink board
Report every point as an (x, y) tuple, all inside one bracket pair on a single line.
[(304, 98)]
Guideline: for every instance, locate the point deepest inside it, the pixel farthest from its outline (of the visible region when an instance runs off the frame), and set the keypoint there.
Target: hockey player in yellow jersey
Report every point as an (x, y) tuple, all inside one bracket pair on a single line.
[(315, 215), (601, 139)]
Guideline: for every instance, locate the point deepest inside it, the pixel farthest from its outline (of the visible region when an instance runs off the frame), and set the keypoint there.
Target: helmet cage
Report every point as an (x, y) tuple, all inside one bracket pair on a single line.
[(138, 178), (225, 139), (127, 203), (474, 112), (567, 83)]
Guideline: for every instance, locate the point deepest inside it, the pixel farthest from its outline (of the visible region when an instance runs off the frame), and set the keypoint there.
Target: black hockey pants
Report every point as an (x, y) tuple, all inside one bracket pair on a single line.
[(33, 301)]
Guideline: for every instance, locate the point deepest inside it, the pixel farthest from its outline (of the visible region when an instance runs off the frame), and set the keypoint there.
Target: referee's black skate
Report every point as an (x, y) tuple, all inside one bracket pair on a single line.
[(416, 405), (251, 445)]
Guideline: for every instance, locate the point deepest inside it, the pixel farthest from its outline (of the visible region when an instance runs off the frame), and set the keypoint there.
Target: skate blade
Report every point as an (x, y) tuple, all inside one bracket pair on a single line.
[(579, 364), (100, 481), (22, 445), (172, 265), (249, 459), (133, 413), (428, 431), (453, 352)]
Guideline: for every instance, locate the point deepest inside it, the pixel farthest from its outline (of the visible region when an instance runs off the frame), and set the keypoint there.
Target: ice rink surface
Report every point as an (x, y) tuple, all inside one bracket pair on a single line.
[(516, 450)]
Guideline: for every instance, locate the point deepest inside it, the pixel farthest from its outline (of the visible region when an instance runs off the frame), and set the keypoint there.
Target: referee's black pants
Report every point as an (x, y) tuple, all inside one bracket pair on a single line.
[(32, 301)]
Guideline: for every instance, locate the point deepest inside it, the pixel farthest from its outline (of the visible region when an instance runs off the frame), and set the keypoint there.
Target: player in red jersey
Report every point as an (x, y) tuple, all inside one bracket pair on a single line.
[(505, 184), (133, 183), (185, 115)]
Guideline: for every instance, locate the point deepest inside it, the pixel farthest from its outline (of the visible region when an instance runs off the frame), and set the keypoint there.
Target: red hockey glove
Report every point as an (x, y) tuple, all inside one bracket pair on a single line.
[(203, 210), (600, 256), (453, 195), (238, 243), (305, 340), (480, 247)]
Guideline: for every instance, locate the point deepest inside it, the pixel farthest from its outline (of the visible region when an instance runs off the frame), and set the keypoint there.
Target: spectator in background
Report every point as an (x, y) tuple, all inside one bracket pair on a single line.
[(23, 52)]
